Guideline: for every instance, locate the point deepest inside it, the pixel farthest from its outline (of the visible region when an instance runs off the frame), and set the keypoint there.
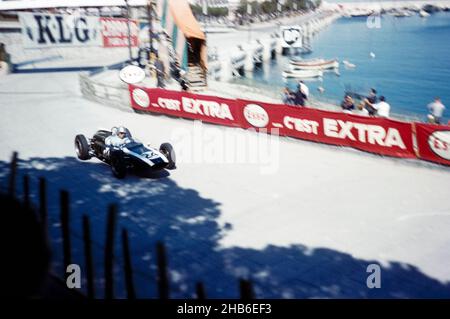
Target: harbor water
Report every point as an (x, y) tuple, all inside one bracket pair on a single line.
[(406, 59)]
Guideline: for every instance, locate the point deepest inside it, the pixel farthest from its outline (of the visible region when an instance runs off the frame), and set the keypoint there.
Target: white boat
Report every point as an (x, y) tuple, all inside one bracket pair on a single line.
[(348, 64), (400, 13), (302, 73), (318, 64), (302, 61), (423, 13)]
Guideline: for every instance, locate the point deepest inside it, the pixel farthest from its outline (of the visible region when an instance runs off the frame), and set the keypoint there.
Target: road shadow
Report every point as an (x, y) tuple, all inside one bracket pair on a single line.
[(151, 174), (155, 209)]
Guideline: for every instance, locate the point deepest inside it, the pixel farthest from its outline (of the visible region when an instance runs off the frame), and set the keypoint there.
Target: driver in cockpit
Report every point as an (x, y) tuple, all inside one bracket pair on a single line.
[(119, 137)]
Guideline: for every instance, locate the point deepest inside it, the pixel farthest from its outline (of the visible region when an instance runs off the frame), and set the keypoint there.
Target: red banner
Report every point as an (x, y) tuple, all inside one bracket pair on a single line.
[(192, 106), (371, 134), (433, 142), (115, 32)]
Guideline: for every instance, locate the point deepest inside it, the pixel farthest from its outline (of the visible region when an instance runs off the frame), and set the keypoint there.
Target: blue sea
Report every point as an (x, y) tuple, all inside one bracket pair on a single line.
[(411, 64)]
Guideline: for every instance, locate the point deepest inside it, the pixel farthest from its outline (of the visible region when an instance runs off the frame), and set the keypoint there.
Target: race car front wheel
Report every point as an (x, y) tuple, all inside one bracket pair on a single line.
[(82, 147), (168, 151), (118, 165)]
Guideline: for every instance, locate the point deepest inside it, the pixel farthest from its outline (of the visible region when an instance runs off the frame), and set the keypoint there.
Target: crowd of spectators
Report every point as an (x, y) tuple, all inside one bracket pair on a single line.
[(363, 104)]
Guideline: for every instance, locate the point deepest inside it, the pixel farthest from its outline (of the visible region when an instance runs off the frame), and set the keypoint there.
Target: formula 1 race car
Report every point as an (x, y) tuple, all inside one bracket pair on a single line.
[(131, 155)]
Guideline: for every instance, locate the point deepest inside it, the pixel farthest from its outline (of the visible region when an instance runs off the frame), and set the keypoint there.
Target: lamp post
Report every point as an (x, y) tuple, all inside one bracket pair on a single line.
[(249, 13), (129, 31), (150, 23)]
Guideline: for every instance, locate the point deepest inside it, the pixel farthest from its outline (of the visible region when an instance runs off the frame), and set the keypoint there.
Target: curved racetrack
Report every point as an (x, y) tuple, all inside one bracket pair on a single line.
[(300, 219)]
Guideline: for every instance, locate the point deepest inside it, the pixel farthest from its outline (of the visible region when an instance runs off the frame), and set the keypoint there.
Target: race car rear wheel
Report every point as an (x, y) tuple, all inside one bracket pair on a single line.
[(82, 147), (118, 165), (168, 151)]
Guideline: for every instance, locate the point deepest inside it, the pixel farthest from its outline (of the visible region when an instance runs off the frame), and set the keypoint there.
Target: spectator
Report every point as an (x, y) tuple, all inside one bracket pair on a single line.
[(175, 70), (382, 108), (288, 96), (370, 101), (160, 72), (299, 98), (436, 109), (362, 110), (4, 59), (304, 89), (2, 52), (348, 105), (183, 81)]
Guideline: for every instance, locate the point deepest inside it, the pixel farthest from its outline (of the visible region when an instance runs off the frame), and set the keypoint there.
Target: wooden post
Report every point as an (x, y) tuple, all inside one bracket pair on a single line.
[(162, 279), (65, 227), (88, 257), (246, 289), (127, 266), (43, 204), (200, 291), (12, 176), (109, 252), (26, 191)]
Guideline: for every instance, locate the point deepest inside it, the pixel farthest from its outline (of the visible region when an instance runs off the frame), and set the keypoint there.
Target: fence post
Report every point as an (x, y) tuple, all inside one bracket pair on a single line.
[(246, 289), (26, 191), (200, 291), (127, 266), (163, 282), (65, 227), (43, 204), (12, 176), (109, 252), (88, 257)]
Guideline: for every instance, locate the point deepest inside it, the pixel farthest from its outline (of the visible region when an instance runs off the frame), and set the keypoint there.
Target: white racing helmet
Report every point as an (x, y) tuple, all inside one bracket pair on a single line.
[(123, 129)]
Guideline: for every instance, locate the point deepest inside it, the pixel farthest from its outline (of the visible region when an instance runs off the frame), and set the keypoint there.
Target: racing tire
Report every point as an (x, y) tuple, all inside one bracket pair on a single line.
[(118, 165), (168, 151), (82, 147)]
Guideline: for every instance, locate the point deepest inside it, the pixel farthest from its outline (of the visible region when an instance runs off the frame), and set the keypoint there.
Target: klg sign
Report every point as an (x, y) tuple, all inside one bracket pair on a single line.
[(48, 30)]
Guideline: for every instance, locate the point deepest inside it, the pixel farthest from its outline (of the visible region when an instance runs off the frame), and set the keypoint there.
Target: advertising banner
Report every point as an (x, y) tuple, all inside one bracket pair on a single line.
[(187, 105), (42, 30), (371, 134), (115, 32), (433, 142)]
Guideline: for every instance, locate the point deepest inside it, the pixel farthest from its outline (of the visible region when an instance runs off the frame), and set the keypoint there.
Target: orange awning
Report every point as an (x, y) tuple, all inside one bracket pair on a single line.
[(185, 20)]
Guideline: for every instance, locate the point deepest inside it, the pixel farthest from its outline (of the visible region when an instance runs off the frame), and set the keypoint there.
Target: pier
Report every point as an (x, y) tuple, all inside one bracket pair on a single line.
[(240, 50)]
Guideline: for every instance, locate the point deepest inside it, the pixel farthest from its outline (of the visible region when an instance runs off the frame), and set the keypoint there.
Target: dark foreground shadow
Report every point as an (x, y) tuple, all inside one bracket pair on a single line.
[(156, 208)]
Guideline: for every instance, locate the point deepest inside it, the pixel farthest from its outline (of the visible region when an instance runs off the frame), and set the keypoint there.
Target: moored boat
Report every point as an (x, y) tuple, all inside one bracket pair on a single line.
[(348, 64), (302, 73), (423, 13), (317, 64)]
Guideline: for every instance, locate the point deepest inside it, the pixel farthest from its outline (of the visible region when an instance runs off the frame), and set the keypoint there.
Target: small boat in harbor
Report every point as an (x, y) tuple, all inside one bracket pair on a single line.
[(313, 60), (348, 64), (423, 13), (302, 73), (314, 64)]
